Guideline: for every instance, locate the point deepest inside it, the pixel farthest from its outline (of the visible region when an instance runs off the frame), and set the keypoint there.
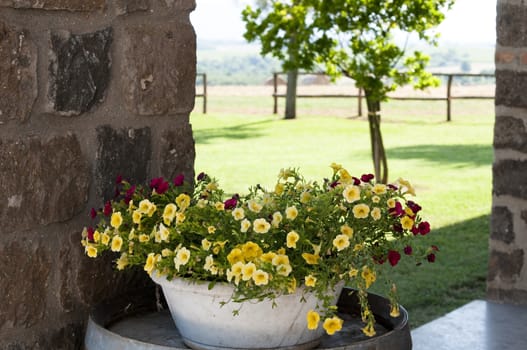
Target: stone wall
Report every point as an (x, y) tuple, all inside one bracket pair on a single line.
[(89, 89), (507, 277)]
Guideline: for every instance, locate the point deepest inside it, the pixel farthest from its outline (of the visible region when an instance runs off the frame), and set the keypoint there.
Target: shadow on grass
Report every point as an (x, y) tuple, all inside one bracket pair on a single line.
[(457, 277), (465, 155), (235, 132)]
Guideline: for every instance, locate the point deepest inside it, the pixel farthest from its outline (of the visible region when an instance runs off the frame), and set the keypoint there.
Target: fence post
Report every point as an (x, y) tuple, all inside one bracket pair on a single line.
[(204, 93), (360, 102), (275, 93), (449, 98)]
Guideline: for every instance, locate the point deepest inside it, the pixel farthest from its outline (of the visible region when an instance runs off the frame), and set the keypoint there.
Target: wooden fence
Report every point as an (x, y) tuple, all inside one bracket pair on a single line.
[(448, 98), (203, 92)]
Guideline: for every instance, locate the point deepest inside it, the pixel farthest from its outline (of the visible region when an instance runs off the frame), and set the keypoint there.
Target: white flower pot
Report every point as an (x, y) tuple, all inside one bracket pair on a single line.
[(205, 324)]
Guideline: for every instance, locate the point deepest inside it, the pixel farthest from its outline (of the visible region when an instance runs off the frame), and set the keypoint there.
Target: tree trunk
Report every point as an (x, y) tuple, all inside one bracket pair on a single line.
[(380, 163), (290, 99)]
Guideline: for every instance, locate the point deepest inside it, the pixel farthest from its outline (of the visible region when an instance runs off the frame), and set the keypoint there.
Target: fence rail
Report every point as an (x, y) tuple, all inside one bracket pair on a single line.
[(448, 98)]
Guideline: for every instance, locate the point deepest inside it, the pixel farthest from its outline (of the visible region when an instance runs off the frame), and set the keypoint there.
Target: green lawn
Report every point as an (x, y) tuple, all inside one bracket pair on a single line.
[(448, 163)]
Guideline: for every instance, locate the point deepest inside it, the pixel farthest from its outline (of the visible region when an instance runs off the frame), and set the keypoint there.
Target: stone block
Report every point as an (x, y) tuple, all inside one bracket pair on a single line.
[(177, 153), (43, 181), (505, 267), (67, 5), (510, 88), (18, 79), (159, 69), (504, 57), (501, 223), (124, 7), (25, 279), (125, 152), (511, 27), (509, 132), (512, 296), (181, 5), (509, 178), (79, 70)]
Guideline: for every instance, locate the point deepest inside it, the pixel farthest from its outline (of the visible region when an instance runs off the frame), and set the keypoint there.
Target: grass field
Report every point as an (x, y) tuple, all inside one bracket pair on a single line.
[(448, 163)]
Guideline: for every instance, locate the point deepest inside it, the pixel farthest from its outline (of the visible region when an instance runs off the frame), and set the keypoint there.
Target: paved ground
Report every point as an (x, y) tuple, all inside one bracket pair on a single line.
[(479, 325)]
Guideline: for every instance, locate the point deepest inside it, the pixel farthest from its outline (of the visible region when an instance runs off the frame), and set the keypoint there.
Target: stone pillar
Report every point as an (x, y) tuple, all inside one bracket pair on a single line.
[(507, 276), (89, 89)]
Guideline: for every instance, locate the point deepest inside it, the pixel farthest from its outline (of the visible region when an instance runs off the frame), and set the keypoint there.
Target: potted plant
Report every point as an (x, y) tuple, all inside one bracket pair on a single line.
[(301, 240)]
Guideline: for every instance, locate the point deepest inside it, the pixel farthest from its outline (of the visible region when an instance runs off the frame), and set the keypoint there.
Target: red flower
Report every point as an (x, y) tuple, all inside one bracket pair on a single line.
[(397, 210), (90, 232), (230, 203), (431, 257), (408, 250), (201, 176), (424, 228), (107, 208), (159, 184), (415, 230), (356, 180), (414, 206), (393, 187), (93, 213), (367, 177), (178, 180), (393, 257)]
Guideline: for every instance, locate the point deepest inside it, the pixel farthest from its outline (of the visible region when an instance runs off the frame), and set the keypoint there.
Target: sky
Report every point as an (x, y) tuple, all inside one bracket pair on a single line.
[(469, 21)]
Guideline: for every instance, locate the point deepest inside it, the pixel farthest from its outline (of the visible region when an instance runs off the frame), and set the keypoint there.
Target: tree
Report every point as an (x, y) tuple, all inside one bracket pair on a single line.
[(355, 38)]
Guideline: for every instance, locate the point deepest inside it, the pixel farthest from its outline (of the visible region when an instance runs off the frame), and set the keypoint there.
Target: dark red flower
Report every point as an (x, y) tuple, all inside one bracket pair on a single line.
[(424, 228), (431, 257), (415, 230), (414, 206), (230, 203), (367, 177), (408, 250), (356, 180), (434, 248), (179, 180), (118, 179), (129, 194), (393, 257), (397, 210), (159, 185), (398, 227), (93, 213), (90, 232), (334, 184), (107, 208), (393, 187), (201, 176)]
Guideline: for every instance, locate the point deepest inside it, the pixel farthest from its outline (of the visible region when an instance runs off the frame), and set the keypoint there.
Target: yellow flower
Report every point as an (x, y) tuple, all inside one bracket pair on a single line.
[(209, 263), (150, 263), (144, 238), (351, 193), (96, 236), (379, 189), (166, 252), (361, 211), (409, 187), (346, 230), (248, 270), (145, 206), (251, 250), (358, 247), (369, 330), (353, 272), (305, 197), (313, 318), (336, 167), (368, 275), (235, 272), (235, 256), (151, 210), (182, 257), (212, 186), (279, 189), (345, 177), (310, 280), (183, 201), (375, 199), (169, 213), (291, 213), (218, 246), (219, 206), (238, 214), (376, 214), (116, 220), (122, 262), (261, 226), (117, 243), (291, 287), (163, 232), (292, 238), (268, 257), (205, 244), (311, 259), (277, 219), (254, 206), (245, 225), (91, 251), (280, 259), (211, 229), (341, 242), (284, 270), (391, 202), (180, 217), (409, 211), (407, 223), (332, 325), (105, 239), (394, 310), (260, 278), (131, 235), (136, 216)]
